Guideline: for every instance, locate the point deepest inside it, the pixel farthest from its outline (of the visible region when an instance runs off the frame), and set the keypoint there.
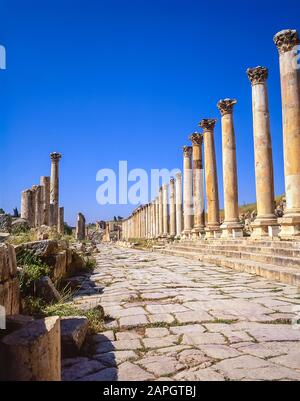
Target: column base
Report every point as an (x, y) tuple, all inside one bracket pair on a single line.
[(197, 232), (265, 227), (186, 234), (232, 230), (212, 232), (290, 226)]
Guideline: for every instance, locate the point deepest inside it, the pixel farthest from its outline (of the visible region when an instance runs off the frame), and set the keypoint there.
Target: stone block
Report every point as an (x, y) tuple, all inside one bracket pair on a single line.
[(5, 223), (32, 353), (42, 248), (73, 333), (44, 288)]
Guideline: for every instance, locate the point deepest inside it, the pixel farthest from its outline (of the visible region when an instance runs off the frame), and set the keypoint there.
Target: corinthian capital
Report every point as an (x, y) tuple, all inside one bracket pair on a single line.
[(226, 106), (286, 40), (55, 156), (196, 138), (187, 151), (208, 124), (257, 75)]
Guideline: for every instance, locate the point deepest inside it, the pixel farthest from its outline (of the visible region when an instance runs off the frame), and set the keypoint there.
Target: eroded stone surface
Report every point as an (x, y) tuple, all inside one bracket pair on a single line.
[(179, 319)]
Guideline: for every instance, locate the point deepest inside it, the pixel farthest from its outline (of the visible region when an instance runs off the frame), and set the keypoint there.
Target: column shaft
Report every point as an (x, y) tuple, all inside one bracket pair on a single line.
[(28, 207), (54, 187), (178, 197), (45, 184), (265, 198), (231, 226), (165, 210), (172, 209), (187, 191), (199, 214), (287, 42), (212, 193)]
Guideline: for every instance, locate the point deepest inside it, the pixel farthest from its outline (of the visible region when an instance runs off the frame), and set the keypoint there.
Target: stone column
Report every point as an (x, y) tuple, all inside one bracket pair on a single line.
[(80, 227), (178, 201), (61, 220), (38, 205), (231, 226), (187, 192), (172, 209), (153, 219), (160, 213), (54, 187), (150, 220), (156, 217), (165, 210), (199, 213), (28, 207), (45, 184), (212, 228), (263, 155), (286, 42)]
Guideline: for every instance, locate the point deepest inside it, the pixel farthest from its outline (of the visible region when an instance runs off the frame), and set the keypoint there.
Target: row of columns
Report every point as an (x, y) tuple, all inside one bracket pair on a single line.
[(179, 211), (40, 203)]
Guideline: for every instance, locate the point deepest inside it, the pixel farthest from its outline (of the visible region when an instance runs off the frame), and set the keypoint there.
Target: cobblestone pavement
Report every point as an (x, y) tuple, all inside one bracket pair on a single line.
[(177, 319)]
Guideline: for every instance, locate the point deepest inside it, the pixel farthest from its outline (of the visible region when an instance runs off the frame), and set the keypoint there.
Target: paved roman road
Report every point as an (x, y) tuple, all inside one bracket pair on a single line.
[(177, 319)]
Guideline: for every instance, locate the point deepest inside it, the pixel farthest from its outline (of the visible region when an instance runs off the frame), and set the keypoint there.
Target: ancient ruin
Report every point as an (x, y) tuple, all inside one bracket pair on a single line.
[(180, 289)]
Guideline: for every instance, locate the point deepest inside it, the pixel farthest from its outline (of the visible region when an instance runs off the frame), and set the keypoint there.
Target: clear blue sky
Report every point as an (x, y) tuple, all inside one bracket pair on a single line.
[(103, 81)]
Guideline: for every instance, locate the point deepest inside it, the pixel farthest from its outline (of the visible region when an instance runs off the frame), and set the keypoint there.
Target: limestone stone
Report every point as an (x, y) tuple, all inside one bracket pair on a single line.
[(54, 188), (80, 227), (45, 184), (198, 185), (27, 207), (263, 154), (45, 289), (187, 192), (290, 93), (156, 332), (212, 193), (32, 353), (160, 365), (129, 372), (5, 223), (178, 201), (115, 358), (133, 321), (231, 227), (207, 374), (79, 368), (73, 333)]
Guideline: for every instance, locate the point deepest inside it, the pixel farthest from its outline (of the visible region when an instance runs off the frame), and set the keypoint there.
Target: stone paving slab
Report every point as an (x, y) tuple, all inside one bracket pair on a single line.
[(177, 319)]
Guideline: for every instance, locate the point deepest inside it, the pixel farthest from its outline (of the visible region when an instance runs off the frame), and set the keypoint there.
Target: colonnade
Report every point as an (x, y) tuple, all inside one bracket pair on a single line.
[(178, 211)]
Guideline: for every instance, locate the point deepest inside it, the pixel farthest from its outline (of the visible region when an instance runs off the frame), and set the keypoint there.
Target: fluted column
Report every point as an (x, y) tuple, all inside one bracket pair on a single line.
[(160, 212), (28, 207), (187, 192), (265, 220), (172, 231), (178, 201), (165, 210), (231, 226), (286, 42), (54, 188), (199, 213), (212, 228)]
